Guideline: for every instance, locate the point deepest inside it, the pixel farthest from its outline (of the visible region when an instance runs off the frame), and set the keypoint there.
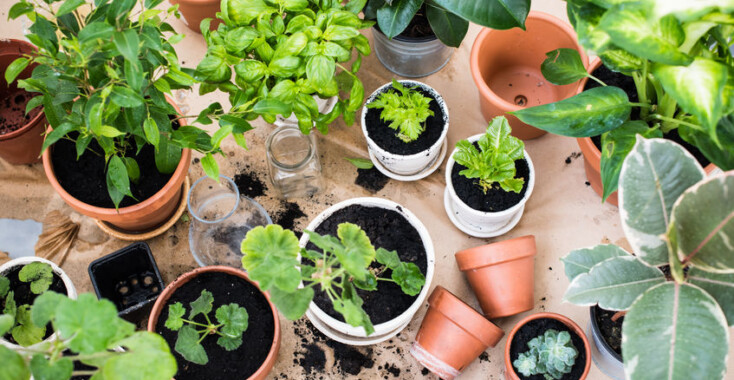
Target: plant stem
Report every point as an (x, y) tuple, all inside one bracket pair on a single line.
[(642, 105), (83, 373), (676, 121), (194, 323), (597, 80)]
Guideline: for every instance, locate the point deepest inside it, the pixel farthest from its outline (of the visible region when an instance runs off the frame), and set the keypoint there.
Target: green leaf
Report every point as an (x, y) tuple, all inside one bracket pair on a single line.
[(666, 327), (229, 343), (152, 134), (719, 286), (580, 261), (68, 6), (43, 369), (147, 357), (90, 325), (4, 286), (126, 97), (495, 14), (269, 256), (356, 96), (176, 312), (234, 318), (621, 60), (127, 43), (167, 156), (25, 332), (292, 304), (654, 174), (387, 258), (369, 283), (360, 163), (39, 274), (243, 12), (96, 31), (339, 33), (202, 305), (589, 113), (44, 307), (210, 166), (187, 344), (117, 176), (19, 9), (109, 131), (6, 323), (15, 68), (358, 251), (213, 69), (134, 75), (14, 366), (563, 66), (10, 306), (272, 106), (614, 283), (320, 69), (409, 277), (355, 6), (354, 314), (394, 18), (448, 27), (616, 144)]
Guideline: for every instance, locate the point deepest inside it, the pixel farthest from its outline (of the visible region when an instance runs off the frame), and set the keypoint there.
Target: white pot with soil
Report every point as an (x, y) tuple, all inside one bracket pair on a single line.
[(391, 152), (389, 309), (606, 342)]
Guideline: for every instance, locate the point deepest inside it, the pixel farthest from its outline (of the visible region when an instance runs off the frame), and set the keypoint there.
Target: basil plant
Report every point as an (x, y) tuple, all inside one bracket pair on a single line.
[(672, 215), (678, 56), (283, 54)]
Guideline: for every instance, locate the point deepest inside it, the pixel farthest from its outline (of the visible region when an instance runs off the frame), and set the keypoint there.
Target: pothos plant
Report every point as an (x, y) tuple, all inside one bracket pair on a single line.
[(494, 161), (678, 55), (406, 111), (551, 355), (344, 264), (283, 54), (672, 215), (89, 332), (39, 277)]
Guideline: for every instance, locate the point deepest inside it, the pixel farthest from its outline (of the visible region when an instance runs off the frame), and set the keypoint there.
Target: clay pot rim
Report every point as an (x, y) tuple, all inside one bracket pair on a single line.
[(510, 370), (22, 44), (197, 2), (267, 364), (485, 34), (180, 171), (463, 315), (496, 253)]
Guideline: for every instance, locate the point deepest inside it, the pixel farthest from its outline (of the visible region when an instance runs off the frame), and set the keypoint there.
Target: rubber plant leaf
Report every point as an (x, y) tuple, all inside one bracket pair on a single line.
[(449, 27), (581, 261), (718, 285), (495, 14)]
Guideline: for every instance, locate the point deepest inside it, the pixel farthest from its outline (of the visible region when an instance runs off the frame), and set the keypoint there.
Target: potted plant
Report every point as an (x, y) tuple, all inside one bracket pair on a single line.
[(415, 38), (92, 336), (452, 335), (214, 316), (405, 124), (193, 12), (679, 87), (506, 66), (672, 217), (21, 122), (501, 275), (489, 177), (354, 292), (286, 59), (547, 344)]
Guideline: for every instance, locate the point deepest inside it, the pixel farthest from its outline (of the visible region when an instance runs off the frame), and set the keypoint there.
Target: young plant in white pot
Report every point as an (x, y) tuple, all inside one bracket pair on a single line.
[(489, 177), (676, 326), (405, 123)]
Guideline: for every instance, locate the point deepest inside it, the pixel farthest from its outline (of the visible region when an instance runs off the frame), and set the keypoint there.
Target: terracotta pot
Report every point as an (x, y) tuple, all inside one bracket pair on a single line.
[(22, 146), (510, 370), (269, 362), (452, 335), (193, 11), (501, 275), (505, 65), (141, 217)]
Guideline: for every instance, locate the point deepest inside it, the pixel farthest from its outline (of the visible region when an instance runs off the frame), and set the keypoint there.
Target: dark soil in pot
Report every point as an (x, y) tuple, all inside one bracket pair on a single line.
[(538, 327), (386, 229), (387, 139), (611, 331), (257, 339), (23, 296), (12, 111), (86, 179)]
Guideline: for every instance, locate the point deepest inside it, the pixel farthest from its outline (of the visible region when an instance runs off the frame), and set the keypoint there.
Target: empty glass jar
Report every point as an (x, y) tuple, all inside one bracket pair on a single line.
[(293, 158)]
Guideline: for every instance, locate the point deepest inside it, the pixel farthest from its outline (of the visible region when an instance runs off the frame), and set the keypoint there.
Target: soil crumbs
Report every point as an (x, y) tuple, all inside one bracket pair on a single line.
[(371, 179), (249, 184)]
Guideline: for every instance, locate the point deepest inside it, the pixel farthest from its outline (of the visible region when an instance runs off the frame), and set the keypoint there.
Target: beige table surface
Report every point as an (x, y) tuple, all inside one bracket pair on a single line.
[(563, 213)]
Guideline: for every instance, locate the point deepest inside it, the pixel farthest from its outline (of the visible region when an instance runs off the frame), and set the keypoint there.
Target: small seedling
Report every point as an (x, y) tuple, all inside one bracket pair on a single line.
[(407, 112), (495, 163), (39, 274), (343, 266), (232, 321), (23, 331), (551, 355), (361, 163)]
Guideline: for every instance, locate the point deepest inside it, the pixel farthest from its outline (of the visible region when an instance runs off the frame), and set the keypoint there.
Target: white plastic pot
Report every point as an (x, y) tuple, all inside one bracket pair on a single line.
[(21, 261), (481, 221), (325, 106), (606, 359), (346, 333), (414, 163)]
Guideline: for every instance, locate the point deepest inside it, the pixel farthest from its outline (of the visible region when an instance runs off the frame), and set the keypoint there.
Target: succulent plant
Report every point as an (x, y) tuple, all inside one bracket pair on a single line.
[(551, 355)]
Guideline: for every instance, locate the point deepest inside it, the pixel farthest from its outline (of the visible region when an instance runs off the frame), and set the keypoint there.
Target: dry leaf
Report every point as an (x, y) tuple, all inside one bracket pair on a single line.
[(59, 233)]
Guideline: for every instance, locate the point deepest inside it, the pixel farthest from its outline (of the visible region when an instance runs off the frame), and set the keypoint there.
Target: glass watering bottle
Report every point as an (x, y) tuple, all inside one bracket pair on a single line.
[(293, 160)]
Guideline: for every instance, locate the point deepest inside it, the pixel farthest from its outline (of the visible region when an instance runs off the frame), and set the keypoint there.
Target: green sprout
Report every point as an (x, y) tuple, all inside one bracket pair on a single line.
[(22, 329), (407, 112)]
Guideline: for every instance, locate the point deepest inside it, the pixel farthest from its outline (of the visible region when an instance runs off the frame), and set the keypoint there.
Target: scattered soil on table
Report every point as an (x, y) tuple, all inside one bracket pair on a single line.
[(311, 355), (12, 111), (86, 179), (223, 364), (386, 229), (538, 327), (484, 357), (386, 137), (572, 157), (610, 330), (23, 296), (231, 236), (249, 184), (371, 179), (287, 216)]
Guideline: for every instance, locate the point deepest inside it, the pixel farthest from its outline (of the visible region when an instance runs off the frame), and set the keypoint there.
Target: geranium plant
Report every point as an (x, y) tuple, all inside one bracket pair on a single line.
[(39, 276), (344, 264), (89, 332), (283, 53), (551, 355), (674, 328), (678, 55), (406, 111)]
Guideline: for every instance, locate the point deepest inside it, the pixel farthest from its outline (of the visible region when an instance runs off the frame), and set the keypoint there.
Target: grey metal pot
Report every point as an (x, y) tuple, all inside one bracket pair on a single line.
[(605, 358), (411, 57)]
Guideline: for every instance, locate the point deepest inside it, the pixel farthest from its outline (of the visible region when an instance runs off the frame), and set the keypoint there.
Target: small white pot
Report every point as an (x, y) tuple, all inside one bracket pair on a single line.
[(325, 106), (414, 163), (486, 222), (356, 335), (70, 289)]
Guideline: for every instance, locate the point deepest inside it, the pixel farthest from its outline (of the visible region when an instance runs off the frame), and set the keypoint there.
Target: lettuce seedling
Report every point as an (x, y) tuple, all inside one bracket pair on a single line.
[(495, 163), (232, 321), (344, 265), (23, 331), (407, 112), (39, 274), (551, 355)]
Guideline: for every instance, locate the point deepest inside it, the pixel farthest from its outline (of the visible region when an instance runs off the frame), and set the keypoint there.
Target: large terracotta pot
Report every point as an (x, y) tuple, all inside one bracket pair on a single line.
[(452, 335), (22, 146), (140, 217), (510, 370), (267, 365), (193, 11), (501, 275), (505, 65)]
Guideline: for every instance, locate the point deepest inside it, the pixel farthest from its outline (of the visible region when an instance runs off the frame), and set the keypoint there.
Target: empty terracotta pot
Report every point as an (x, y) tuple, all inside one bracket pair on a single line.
[(452, 335), (23, 145), (193, 11), (505, 65), (501, 275)]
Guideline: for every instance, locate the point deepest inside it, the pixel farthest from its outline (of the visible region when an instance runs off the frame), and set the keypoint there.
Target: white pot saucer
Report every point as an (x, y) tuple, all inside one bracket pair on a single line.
[(473, 231), (413, 177)]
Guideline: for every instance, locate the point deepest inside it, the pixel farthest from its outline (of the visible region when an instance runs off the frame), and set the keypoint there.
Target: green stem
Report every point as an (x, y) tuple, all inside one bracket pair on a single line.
[(597, 80), (195, 323), (385, 279), (642, 105), (676, 121)]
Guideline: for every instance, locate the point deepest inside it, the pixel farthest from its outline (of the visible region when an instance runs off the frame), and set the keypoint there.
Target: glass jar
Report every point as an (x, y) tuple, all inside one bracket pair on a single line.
[(293, 160), (220, 220)]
